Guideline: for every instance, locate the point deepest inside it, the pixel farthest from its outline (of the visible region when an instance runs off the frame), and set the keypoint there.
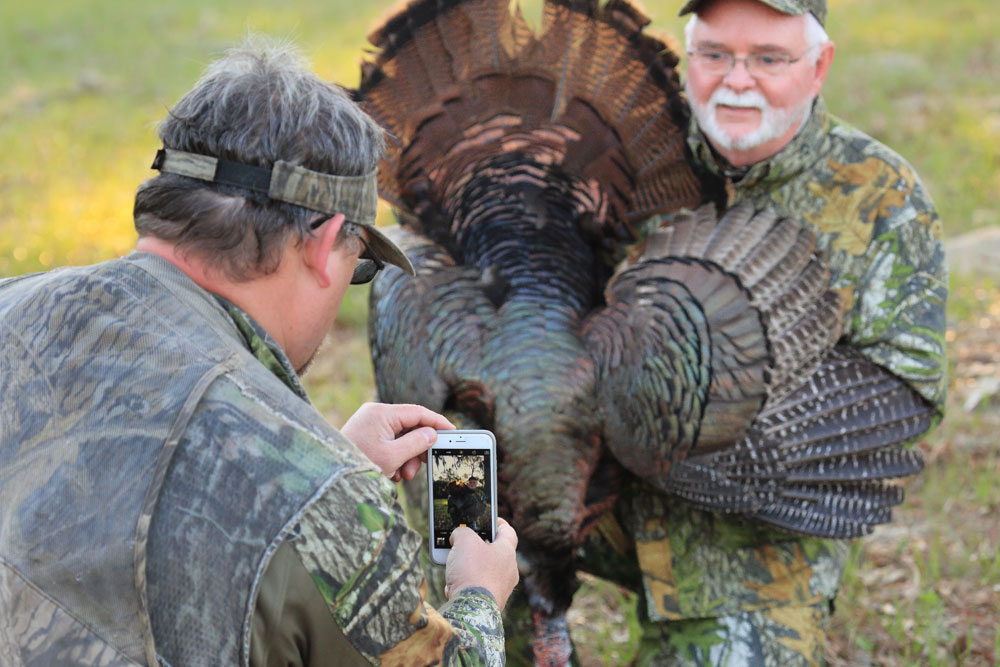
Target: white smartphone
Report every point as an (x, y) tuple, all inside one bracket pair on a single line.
[(462, 483)]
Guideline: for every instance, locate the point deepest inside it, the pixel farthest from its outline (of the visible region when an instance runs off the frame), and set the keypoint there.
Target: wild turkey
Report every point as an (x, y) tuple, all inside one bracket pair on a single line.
[(705, 363)]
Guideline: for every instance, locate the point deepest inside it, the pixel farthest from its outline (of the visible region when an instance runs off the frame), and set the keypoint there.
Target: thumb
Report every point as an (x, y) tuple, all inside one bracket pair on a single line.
[(462, 533), (414, 443), (505, 533)]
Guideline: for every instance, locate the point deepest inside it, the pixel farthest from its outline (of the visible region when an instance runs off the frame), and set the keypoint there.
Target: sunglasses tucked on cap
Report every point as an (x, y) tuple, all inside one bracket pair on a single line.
[(368, 264), (354, 196)]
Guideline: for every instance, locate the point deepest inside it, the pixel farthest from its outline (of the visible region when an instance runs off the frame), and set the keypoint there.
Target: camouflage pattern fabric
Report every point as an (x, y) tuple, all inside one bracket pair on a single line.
[(246, 463), (785, 636), (359, 521), (882, 236), (880, 231), (264, 348), (699, 564), (77, 346)]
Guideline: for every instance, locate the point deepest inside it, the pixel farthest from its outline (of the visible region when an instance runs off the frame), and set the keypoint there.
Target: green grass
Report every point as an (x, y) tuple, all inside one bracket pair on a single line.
[(83, 84)]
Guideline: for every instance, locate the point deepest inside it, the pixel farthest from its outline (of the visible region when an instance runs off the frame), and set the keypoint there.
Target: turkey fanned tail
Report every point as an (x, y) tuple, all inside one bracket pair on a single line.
[(722, 386)]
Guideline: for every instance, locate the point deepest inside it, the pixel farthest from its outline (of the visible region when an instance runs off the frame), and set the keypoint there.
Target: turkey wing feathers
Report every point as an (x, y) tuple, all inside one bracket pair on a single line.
[(674, 333), (819, 428), (815, 463)]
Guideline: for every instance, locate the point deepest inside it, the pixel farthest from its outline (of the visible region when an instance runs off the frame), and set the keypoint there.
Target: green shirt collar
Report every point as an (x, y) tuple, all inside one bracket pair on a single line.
[(263, 347)]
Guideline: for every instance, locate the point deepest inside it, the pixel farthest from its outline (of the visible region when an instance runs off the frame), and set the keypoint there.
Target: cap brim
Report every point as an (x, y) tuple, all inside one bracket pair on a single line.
[(387, 250), (689, 7)]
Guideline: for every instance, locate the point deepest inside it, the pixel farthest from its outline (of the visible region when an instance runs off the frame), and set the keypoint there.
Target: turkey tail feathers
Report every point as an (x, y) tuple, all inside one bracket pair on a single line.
[(456, 81)]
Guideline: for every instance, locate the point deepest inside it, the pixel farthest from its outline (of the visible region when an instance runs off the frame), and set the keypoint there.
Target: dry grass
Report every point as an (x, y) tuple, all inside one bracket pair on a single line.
[(926, 589)]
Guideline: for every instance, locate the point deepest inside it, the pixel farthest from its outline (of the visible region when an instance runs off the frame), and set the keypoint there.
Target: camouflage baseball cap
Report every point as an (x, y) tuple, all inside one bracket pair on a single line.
[(794, 7), (354, 196)]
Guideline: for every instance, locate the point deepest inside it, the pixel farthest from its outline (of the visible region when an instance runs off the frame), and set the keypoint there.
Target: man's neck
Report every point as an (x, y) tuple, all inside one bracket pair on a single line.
[(261, 298)]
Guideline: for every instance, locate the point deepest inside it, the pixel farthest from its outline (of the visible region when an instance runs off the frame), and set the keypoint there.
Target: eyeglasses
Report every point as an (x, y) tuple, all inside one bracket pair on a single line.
[(721, 63), (368, 264)]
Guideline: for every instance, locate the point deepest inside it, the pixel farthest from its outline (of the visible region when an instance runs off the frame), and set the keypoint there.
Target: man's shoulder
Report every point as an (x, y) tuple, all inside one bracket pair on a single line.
[(31, 289), (850, 145), (258, 408), (862, 180)]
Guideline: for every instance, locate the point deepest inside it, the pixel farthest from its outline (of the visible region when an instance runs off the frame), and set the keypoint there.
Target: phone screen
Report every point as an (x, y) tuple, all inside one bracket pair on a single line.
[(461, 493)]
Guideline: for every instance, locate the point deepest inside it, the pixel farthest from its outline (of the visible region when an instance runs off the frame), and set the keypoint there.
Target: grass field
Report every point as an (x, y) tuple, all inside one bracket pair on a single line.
[(82, 85)]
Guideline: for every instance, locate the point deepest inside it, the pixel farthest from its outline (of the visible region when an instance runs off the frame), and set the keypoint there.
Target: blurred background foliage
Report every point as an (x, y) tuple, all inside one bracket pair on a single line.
[(83, 84)]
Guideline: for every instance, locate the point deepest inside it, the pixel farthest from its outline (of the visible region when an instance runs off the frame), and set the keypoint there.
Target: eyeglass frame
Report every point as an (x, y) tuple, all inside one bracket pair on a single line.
[(363, 272), (788, 62)]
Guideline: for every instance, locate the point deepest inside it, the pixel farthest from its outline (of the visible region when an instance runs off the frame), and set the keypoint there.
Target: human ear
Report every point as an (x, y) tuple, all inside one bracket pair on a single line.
[(823, 63), (316, 249)]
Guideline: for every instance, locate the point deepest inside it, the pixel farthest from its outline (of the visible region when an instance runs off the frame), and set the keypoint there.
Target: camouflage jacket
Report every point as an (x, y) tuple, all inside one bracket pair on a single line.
[(129, 368), (882, 236)]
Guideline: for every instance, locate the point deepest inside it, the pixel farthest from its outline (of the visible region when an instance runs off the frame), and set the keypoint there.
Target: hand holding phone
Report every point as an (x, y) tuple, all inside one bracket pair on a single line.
[(394, 436), (493, 566), (461, 478)]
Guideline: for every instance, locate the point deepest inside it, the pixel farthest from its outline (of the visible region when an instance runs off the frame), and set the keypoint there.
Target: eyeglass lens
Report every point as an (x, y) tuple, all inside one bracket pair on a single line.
[(364, 271), (757, 64)]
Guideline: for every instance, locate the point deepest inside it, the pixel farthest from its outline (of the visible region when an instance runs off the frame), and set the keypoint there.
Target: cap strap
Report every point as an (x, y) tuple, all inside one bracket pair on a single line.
[(354, 196)]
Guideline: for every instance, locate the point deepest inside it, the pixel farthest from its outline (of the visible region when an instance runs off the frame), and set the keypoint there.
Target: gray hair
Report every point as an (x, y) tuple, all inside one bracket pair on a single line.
[(257, 105), (814, 35)]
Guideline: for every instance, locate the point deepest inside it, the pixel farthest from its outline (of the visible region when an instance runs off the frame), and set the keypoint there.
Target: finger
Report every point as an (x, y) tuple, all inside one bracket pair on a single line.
[(409, 469), (413, 444), (410, 415)]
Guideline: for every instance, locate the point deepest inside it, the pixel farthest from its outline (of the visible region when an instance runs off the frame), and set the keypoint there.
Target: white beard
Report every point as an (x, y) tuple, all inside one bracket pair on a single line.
[(773, 122)]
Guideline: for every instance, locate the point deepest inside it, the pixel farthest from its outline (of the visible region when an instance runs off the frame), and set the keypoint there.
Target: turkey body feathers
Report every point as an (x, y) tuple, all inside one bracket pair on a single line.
[(498, 339)]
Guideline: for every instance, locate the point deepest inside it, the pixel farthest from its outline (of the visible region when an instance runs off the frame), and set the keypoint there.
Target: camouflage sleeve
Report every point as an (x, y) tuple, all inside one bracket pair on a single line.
[(896, 281), (365, 562), (474, 609)]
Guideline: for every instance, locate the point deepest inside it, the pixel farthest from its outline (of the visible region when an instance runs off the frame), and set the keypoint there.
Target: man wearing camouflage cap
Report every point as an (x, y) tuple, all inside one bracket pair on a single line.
[(168, 494), (719, 592)]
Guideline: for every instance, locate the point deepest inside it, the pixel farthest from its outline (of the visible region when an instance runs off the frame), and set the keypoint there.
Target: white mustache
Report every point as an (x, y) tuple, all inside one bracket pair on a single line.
[(750, 99)]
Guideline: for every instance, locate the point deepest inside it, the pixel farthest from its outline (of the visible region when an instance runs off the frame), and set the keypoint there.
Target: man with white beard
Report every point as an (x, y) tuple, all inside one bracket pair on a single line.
[(751, 107), (716, 591)]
